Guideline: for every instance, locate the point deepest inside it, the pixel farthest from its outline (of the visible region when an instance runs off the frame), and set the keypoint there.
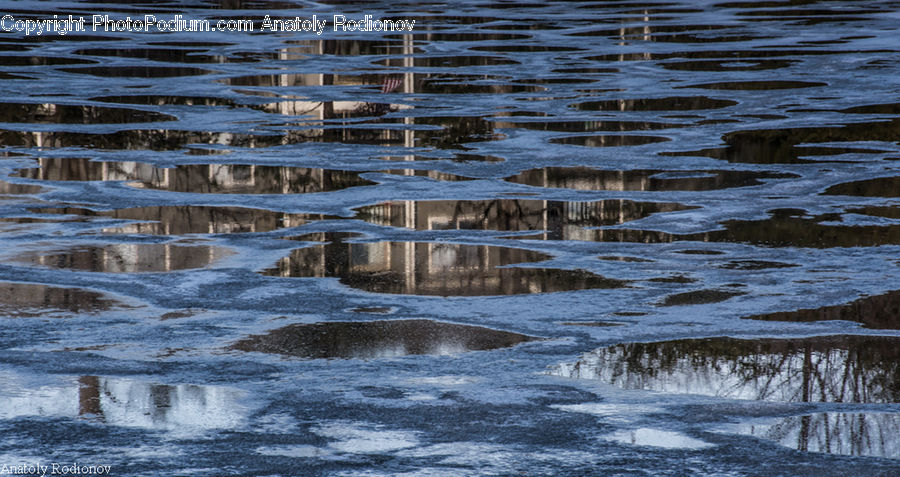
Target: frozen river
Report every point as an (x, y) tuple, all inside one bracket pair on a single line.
[(521, 238)]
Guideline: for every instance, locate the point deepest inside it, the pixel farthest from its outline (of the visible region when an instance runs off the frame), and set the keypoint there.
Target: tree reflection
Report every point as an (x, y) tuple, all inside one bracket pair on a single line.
[(858, 369), (856, 434)]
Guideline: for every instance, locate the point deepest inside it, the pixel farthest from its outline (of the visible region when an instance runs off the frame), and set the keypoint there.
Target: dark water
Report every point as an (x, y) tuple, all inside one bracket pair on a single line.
[(548, 238)]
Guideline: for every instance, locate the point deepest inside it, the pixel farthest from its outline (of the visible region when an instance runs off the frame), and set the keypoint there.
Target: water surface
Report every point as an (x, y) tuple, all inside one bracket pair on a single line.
[(693, 205)]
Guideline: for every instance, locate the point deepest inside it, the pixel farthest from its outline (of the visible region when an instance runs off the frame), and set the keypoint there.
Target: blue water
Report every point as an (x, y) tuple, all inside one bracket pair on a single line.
[(521, 239)]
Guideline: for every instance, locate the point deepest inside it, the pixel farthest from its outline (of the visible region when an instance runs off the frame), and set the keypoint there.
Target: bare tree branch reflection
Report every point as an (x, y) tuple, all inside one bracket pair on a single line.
[(842, 368), (856, 434)]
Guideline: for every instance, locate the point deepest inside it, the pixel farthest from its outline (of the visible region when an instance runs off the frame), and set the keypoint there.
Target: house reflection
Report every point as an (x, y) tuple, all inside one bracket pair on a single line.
[(430, 268), (9, 188), (126, 257), (843, 368), (586, 178), (378, 339), (785, 228), (181, 408), (199, 178), (32, 300), (855, 434), (556, 220)]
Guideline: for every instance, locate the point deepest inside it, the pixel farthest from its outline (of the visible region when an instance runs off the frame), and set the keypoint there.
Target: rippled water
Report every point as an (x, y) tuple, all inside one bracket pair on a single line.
[(550, 238)]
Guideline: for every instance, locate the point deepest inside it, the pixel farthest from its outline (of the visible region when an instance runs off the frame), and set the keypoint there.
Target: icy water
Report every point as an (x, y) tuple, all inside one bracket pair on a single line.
[(524, 238)]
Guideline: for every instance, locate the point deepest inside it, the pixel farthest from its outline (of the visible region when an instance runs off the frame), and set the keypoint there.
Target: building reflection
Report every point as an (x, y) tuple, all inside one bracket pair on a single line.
[(586, 178), (430, 268), (32, 300), (9, 188), (843, 368), (191, 219), (555, 220), (446, 133), (785, 228), (840, 433), (181, 408), (378, 339), (127, 257), (410, 83), (199, 178)]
